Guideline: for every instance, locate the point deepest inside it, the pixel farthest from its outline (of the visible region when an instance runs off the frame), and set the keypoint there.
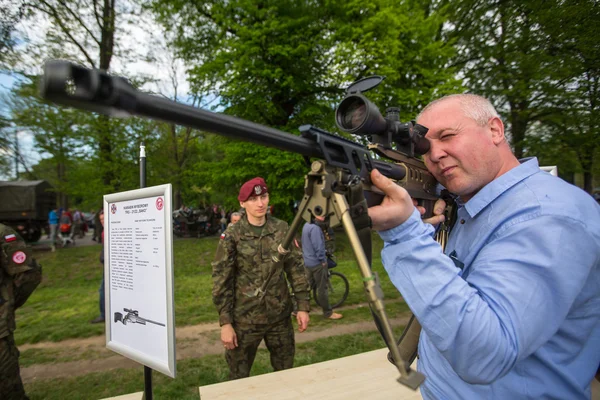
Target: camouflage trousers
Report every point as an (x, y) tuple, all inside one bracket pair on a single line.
[(279, 339), (11, 386)]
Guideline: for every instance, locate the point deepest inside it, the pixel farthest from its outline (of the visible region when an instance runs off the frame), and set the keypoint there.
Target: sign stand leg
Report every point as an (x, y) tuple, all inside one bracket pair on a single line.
[(147, 383), (147, 370)]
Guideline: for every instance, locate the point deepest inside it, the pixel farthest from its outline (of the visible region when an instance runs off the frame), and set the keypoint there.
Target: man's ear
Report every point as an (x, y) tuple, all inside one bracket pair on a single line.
[(242, 204), (497, 129)]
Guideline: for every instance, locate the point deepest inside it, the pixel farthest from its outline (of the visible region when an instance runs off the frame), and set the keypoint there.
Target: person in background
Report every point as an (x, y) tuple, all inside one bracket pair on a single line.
[(315, 261), (20, 275), (235, 217), (250, 288), (101, 318), (53, 223)]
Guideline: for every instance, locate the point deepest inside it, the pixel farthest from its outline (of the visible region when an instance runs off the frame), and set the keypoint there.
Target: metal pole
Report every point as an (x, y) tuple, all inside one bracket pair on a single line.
[(147, 370), (142, 165)]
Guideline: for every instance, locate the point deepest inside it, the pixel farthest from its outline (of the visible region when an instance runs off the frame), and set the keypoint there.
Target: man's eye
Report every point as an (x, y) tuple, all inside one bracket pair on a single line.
[(447, 136)]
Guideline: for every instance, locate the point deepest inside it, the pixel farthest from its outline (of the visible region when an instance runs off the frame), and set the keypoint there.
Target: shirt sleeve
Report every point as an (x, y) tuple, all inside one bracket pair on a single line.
[(223, 268), (521, 286)]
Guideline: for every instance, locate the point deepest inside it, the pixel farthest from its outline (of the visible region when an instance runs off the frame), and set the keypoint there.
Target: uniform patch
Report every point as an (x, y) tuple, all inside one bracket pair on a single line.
[(222, 235), (19, 257), (10, 238)]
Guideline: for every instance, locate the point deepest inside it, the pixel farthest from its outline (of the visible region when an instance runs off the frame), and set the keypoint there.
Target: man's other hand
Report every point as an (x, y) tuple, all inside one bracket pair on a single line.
[(438, 212)]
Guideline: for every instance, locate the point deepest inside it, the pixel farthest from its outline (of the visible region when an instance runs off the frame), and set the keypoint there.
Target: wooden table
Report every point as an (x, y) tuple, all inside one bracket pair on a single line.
[(362, 376)]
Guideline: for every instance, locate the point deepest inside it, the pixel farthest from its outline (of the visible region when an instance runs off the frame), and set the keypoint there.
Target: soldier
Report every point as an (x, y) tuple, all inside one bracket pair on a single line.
[(250, 289), (20, 274)]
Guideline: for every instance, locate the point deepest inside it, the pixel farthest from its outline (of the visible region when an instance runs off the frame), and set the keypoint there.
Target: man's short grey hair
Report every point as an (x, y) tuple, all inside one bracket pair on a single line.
[(235, 214), (476, 107)]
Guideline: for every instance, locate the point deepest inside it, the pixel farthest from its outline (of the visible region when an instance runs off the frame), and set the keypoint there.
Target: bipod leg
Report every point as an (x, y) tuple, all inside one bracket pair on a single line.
[(316, 201), (408, 376)]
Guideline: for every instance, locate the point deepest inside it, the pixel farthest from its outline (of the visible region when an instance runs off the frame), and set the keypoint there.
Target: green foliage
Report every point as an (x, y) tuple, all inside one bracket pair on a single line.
[(539, 63)]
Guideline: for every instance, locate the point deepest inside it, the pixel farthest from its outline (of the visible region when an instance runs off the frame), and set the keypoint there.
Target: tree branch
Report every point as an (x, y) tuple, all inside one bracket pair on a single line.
[(53, 13), (81, 23)]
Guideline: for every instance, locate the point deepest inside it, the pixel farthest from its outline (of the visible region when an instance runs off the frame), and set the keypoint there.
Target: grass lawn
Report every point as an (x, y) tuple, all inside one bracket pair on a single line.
[(67, 298)]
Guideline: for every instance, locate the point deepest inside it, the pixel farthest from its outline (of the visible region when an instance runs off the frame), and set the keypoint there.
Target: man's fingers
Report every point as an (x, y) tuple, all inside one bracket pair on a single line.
[(439, 207), (385, 184), (436, 219)]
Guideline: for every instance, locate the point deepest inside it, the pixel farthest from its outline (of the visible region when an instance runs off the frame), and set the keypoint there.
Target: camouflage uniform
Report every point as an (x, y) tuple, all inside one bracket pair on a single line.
[(251, 292), (20, 274)]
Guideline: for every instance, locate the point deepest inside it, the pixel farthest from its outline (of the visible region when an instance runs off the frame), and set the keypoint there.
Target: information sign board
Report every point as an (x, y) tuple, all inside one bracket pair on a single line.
[(138, 270)]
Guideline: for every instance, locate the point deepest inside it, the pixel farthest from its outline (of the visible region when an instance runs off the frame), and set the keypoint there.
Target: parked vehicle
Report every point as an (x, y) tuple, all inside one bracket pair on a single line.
[(25, 205)]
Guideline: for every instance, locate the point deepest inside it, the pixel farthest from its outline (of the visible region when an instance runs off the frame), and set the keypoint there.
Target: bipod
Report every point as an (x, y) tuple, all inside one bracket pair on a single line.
[(327, 190)]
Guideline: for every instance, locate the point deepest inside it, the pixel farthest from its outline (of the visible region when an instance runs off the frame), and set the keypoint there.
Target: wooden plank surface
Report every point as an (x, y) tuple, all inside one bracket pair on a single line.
[(362, 376)]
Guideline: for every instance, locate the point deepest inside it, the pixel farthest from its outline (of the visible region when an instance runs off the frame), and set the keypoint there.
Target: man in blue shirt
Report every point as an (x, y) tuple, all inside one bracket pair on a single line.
[(515, 313), (315, 261)]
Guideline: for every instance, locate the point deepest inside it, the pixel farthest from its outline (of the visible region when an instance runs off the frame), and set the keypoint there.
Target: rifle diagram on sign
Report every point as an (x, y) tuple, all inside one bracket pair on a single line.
[(133, 317)]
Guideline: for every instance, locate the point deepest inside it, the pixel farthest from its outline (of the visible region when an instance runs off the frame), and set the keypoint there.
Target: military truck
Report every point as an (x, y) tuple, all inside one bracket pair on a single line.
[(24, 206)]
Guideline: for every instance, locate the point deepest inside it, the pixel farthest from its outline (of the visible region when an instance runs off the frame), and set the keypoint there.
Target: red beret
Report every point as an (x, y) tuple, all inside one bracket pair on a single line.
[(254, 187)]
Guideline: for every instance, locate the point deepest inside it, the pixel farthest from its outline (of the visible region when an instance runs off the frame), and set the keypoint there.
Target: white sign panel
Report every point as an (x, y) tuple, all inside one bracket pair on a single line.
[(139, 276)]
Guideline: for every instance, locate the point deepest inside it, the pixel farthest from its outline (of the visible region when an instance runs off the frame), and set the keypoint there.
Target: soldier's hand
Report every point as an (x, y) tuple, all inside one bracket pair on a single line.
[(228, 337), (302, 318)]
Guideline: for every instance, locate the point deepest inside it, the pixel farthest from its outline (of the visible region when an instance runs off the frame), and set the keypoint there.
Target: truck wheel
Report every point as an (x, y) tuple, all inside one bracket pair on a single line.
[(33, 236)]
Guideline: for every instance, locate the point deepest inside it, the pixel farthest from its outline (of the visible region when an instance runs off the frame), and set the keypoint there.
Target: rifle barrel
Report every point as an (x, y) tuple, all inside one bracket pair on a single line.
[(95, 90)]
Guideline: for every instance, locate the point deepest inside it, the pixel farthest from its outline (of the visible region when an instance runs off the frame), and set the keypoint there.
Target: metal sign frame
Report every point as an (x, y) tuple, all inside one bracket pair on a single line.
[(165, 365)]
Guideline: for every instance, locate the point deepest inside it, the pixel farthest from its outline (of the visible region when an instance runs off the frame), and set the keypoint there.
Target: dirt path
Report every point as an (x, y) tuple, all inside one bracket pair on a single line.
[(192, 342)]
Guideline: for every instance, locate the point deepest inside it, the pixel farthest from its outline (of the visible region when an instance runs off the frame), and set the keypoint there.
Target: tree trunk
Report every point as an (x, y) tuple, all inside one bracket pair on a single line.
[(518, 129)]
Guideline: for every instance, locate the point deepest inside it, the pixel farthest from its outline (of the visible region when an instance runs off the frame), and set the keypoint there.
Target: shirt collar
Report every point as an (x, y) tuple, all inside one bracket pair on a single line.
[(495, 188)]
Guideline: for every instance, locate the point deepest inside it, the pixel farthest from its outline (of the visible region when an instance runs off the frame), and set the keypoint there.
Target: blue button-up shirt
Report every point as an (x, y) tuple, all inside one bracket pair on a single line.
[(521, 319)]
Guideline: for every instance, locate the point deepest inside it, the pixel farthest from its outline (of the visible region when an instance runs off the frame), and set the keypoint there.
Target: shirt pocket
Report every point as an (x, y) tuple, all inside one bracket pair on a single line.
[(247, 247)]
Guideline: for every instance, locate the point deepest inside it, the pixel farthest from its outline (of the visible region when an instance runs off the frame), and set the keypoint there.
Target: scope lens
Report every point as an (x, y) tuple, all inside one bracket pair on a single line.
[(352, 113)]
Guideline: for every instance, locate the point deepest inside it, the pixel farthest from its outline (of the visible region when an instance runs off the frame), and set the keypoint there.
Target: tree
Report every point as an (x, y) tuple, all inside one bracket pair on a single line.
[(537, 61), (283, 63), (84, 31), (503, 55), (572, 29)]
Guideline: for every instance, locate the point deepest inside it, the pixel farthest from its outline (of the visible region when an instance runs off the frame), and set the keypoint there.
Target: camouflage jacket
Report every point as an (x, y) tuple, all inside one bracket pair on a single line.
[(20, 274), (248, 286)]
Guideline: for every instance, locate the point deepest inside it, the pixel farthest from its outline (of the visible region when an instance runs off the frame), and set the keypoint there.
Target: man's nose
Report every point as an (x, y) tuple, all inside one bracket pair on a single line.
[(435, 153)]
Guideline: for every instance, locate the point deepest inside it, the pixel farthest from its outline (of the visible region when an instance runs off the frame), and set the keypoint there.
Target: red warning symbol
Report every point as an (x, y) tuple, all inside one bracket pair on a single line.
[(159, 203)]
